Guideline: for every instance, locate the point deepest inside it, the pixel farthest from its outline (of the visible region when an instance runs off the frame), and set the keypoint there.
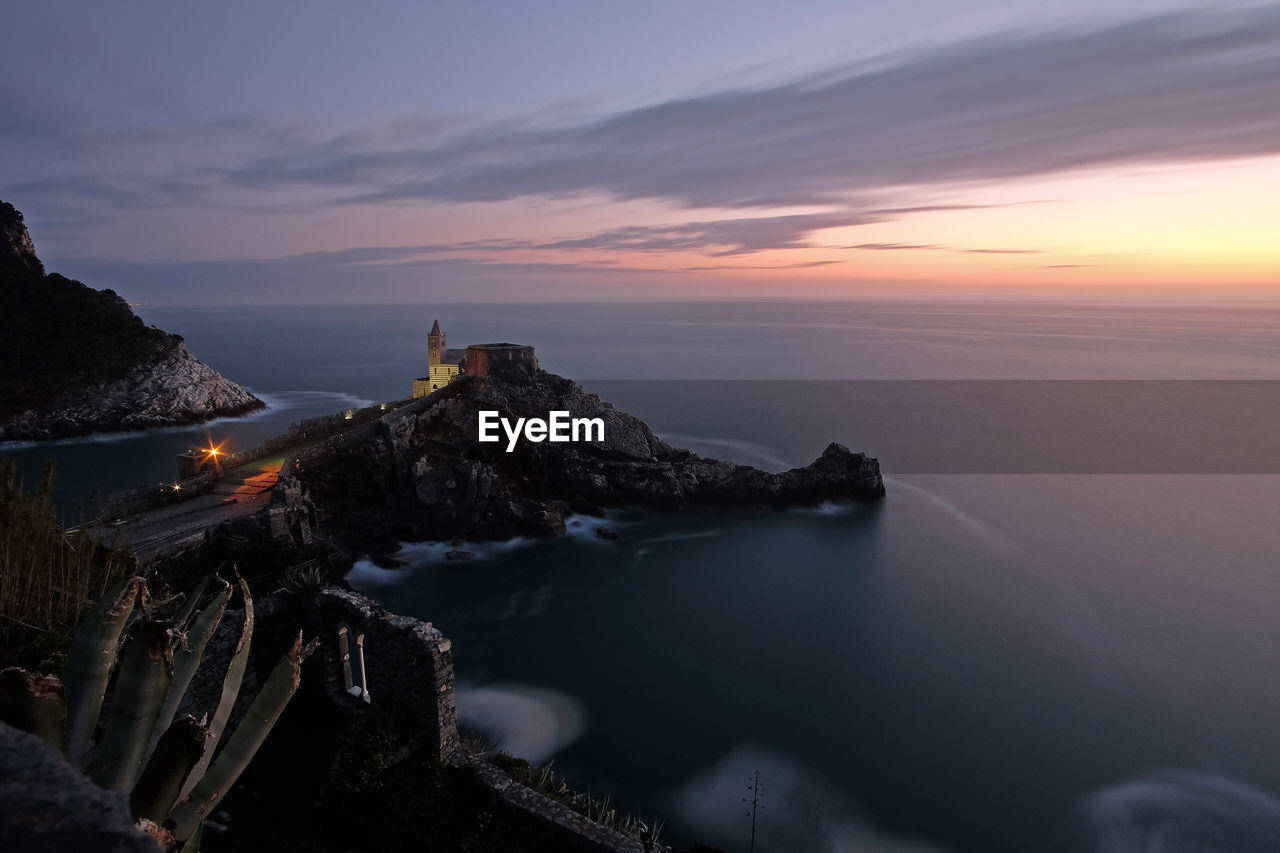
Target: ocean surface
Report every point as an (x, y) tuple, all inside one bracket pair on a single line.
[(1058, 632)]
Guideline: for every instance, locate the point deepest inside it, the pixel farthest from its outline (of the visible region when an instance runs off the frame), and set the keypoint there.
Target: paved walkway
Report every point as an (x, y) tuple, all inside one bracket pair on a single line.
[(243, 491)]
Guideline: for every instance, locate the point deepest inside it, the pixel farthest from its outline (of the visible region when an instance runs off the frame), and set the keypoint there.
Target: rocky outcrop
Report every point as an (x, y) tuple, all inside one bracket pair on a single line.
[(16, 249), (74, 360), (47, 805), (420, 472), (178, 389)]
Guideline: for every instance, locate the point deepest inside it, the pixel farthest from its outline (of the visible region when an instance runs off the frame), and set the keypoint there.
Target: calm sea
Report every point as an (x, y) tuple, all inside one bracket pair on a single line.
[(1059, 630)]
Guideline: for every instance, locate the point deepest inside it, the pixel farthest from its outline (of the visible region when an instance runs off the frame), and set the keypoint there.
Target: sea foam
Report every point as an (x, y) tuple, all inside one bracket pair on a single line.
[(802, 811), (533, 723)]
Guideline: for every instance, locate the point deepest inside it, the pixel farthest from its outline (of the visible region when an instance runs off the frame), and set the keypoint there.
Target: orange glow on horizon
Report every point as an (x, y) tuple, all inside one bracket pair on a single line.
[(1210, 224)]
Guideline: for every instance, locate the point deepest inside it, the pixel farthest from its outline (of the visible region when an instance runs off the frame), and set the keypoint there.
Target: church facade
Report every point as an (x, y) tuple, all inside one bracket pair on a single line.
[(443, 364)]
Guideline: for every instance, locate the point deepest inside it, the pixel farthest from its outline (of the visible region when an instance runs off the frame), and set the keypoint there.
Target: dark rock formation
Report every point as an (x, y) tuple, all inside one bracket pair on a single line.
[(419, 472), (16, 249), (46, 805), (75, 361)]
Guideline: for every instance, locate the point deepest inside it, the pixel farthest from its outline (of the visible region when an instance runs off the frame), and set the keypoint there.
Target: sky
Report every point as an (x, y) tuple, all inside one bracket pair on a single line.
[(425, 152)]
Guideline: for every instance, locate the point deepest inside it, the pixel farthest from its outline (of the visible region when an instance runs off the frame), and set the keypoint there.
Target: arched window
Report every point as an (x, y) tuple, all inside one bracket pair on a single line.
[(353, 672)]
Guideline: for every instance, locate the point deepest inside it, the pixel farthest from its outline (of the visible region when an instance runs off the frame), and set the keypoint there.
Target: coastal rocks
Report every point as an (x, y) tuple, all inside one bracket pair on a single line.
[(47, 805), (421, 473), (176, 390), (76, 361)]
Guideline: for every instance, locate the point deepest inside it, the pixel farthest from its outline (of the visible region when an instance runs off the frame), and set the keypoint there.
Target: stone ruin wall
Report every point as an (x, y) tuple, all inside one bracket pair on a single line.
[(409, 665)]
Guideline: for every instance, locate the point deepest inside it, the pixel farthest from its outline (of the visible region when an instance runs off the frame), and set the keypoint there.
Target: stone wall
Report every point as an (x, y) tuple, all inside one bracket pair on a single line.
[(144, 498), (483, 359), (309, 429), (148, 497), (407, 665), (581, 832)]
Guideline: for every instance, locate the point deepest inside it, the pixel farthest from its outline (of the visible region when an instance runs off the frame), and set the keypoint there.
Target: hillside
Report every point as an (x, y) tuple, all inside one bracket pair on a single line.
[(74, 360)]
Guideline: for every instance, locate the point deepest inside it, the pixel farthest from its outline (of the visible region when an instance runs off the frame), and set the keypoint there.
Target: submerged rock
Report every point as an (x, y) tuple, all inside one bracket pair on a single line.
[(422, 469)]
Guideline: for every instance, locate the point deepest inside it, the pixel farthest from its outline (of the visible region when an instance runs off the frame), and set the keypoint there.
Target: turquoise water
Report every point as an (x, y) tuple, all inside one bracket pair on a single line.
[(990, 661)]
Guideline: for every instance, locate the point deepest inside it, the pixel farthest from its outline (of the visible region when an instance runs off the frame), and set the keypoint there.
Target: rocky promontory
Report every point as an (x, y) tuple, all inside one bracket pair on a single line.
[(76, 361), (420, 473)]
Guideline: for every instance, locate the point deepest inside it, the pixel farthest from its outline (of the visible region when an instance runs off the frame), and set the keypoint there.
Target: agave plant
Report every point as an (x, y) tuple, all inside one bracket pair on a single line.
[(173, 770)]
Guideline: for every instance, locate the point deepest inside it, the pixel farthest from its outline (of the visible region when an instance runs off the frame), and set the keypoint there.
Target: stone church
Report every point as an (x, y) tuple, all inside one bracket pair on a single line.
[(443, 364), (479, 360)]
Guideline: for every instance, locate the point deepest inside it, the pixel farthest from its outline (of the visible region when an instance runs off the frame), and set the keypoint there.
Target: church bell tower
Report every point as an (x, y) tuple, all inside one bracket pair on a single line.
[(435, 344)]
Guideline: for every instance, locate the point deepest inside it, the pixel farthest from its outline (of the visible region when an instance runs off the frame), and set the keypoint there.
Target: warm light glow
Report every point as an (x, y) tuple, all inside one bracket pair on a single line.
[(177, 487), (213, 451)]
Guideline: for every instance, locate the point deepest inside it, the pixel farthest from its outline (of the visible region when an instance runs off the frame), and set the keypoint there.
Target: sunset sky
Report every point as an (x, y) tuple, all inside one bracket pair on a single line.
[(185, 153)]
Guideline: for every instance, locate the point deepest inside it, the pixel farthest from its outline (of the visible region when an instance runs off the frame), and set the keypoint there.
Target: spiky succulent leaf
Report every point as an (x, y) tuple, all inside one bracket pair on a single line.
[(34, 703), (177, 752), (186, 660), (230, 689), (244, 741), (192, 844), (146, 671), (183, 617), (90, 661)]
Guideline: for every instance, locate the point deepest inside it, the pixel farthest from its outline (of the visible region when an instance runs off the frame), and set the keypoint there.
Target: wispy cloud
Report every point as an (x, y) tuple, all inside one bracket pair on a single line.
[(716, 238), (803, 265), (399, 254), (294, 279), (720, 237), (934, 247), (1186, 87), (739, 235), (895, 247), (162, 192)]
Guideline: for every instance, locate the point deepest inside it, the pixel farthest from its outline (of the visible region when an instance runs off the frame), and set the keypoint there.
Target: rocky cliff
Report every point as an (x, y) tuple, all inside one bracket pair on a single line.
[(74, 360), (420, 473)]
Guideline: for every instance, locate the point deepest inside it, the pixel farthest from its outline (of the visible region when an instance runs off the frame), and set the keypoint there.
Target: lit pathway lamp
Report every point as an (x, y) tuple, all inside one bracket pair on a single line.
[(213, 455)]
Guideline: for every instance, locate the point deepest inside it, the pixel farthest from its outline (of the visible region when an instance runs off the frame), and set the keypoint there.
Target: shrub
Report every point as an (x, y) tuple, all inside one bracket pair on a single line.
[(48, 577)]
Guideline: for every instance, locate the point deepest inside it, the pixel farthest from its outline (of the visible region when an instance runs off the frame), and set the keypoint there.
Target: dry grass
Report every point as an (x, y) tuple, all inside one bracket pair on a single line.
[(47, 576)]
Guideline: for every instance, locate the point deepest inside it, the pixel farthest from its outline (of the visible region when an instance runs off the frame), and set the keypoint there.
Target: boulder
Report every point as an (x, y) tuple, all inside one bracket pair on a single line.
[(46, 805)]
